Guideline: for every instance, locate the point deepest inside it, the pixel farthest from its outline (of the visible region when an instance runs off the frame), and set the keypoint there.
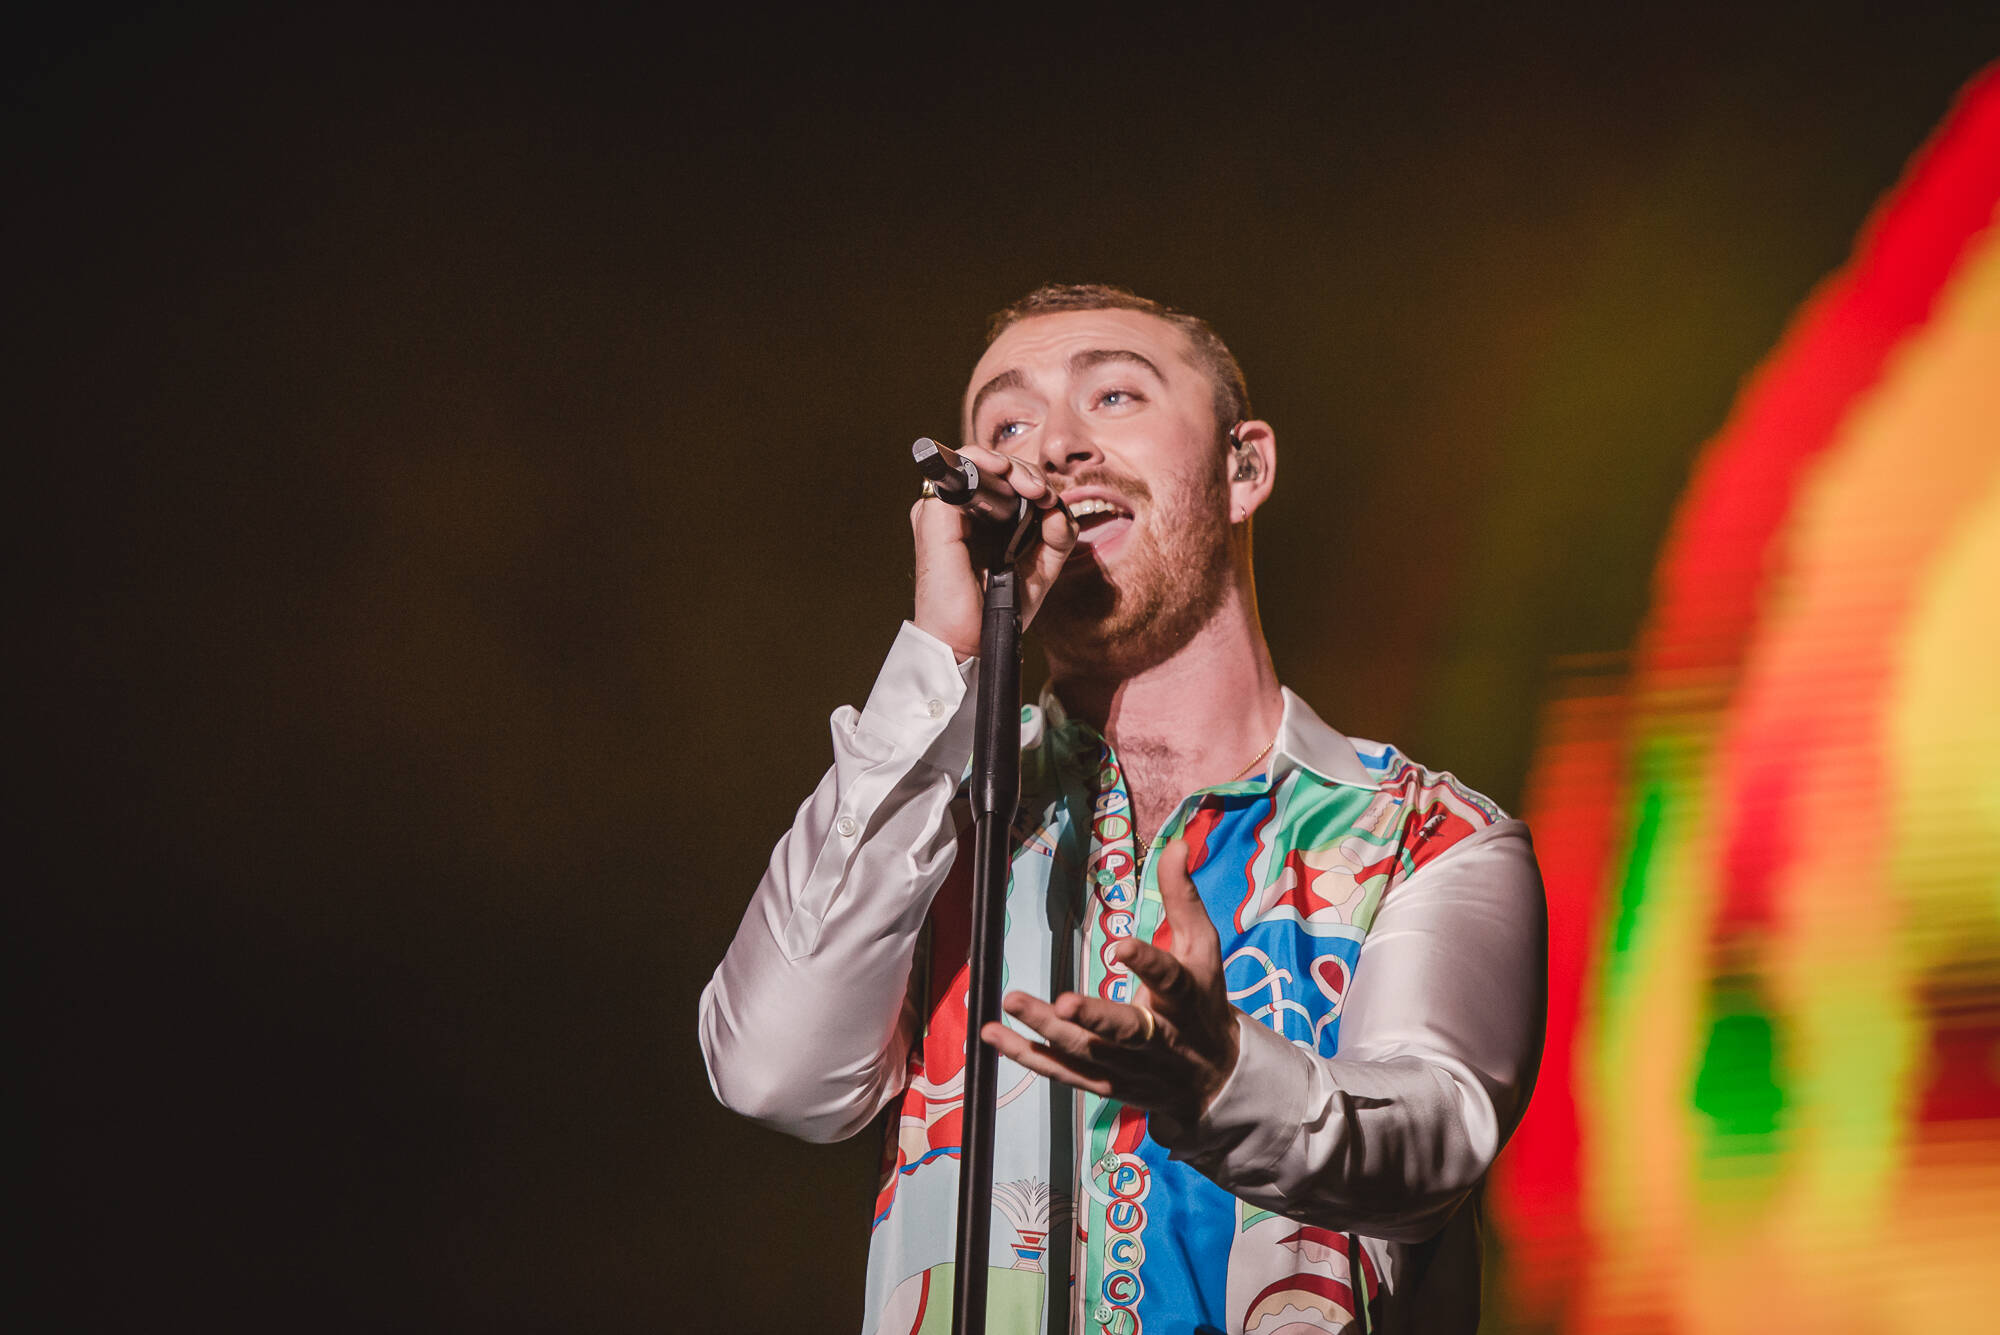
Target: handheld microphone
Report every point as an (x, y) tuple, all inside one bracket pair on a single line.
[(956, 480)]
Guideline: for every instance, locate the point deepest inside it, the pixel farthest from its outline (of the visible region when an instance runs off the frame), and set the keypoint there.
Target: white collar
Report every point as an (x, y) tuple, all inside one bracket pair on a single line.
[(1306, 740)]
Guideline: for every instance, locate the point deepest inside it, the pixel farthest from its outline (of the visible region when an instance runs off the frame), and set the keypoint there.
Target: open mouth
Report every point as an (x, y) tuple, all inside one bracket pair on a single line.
[(1099, 521)]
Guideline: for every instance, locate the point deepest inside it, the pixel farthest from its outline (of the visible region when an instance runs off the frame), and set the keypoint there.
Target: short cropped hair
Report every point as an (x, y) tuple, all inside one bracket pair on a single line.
[(1210, 353)]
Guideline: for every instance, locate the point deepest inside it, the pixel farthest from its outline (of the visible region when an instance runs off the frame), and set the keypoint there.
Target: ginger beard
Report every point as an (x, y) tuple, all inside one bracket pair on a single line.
[(1162, 585)]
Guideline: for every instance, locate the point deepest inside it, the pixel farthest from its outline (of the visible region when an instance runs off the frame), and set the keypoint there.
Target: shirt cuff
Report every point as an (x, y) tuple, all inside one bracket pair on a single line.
[(1253, 1121), (922, 699)]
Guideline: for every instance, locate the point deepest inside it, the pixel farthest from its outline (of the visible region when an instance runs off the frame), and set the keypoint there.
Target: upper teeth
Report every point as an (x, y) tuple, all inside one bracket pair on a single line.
[(1085, 509)]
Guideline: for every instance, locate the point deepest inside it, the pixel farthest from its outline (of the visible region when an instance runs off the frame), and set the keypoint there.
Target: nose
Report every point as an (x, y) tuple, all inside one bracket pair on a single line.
[(1066, 443)]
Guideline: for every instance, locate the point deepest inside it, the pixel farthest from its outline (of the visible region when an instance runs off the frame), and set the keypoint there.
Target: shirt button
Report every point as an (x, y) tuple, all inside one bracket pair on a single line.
[(936, 707), (846, 826)]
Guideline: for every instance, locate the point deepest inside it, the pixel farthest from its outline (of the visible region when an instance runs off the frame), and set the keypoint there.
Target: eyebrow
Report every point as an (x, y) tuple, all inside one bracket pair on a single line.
[(1078, 363), (1083, 361), (1005, 380)]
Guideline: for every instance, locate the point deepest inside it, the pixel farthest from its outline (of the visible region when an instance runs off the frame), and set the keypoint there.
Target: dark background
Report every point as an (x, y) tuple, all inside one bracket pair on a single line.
[(414, 670)]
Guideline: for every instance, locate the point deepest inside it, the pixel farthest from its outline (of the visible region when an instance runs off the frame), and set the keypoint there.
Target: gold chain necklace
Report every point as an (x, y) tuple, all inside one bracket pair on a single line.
[(1146, 854), (1254, 759)]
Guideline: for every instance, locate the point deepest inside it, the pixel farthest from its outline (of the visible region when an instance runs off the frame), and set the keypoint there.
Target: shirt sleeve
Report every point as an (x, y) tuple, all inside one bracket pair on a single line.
[(1440, 1039), (806, 1024)]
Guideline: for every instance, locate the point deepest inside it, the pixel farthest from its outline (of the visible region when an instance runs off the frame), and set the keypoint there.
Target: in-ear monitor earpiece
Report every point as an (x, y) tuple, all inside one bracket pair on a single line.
[(1246, 458)]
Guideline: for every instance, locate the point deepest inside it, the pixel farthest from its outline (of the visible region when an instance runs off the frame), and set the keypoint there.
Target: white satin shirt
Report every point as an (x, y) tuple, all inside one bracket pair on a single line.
[(1385, 937)]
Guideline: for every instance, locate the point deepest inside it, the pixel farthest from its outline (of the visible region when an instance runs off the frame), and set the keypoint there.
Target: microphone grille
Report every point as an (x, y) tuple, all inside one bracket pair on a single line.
[(930, 459)]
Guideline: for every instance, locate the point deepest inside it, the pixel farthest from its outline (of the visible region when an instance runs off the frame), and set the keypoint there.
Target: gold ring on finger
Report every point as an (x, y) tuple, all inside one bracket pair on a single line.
[(1152, 1026)]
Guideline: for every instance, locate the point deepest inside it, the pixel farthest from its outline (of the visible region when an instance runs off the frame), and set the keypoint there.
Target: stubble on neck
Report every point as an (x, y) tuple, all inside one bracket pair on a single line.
[(1186, 718)]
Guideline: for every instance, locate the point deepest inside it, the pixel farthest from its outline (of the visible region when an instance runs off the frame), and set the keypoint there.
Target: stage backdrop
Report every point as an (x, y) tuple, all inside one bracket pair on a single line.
[(1771, 1099)]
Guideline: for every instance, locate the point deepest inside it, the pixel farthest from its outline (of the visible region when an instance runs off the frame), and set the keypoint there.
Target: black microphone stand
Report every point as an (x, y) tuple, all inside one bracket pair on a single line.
[(995, 790)]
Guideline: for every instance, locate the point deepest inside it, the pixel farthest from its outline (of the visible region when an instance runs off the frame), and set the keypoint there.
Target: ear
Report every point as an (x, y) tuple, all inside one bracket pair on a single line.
[(1252, 466)]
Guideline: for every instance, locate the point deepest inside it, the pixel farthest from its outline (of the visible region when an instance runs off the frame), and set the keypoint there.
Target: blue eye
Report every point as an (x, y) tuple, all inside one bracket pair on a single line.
[(1112, 398), (1007, 430)]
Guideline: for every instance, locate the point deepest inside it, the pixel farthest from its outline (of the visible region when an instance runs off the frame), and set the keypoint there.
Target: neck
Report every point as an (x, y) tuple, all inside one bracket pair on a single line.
[(1195, 718)]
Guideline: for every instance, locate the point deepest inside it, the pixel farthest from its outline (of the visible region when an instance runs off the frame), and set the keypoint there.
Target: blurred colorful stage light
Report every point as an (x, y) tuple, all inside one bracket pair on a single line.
[(1771, 1099)]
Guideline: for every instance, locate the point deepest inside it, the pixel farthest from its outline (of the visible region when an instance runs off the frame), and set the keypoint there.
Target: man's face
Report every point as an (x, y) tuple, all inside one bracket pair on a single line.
[(1109, 407)]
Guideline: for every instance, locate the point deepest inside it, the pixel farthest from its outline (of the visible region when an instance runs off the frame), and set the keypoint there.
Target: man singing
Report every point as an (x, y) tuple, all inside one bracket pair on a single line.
[(1278, 994)]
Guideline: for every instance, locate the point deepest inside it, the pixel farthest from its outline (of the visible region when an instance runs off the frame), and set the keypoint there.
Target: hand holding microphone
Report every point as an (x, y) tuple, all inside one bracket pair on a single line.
[(976, 497), (957, 479)]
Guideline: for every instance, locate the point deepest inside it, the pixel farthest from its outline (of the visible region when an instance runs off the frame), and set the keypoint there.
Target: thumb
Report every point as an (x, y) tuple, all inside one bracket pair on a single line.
[(1194, 942)]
